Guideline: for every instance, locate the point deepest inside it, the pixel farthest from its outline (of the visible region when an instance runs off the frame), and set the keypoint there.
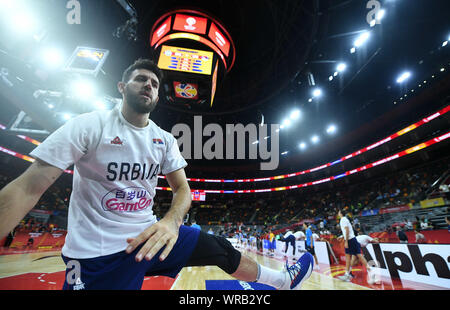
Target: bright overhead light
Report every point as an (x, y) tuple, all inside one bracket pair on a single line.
[(286, 122), (381, 14), (295, 114), (331, 129), (341, 67), (330, 78), (23, 22), (82, 89), (445, 43), (52, 57), (353, 50), (284, 153), (66, 116), (302, 145), (362, 39), (317, 92), (403, 77), (314, 139)]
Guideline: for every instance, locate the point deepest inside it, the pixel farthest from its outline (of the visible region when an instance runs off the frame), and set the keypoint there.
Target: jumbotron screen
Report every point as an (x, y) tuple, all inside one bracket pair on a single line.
[(185, 60)]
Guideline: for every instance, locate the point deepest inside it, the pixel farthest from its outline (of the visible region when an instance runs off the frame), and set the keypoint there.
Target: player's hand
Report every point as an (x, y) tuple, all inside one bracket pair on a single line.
[(346, 244), (161, 234)]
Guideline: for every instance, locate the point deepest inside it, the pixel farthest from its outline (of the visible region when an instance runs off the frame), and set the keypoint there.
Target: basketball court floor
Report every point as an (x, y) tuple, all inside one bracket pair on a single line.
[(46, 271)]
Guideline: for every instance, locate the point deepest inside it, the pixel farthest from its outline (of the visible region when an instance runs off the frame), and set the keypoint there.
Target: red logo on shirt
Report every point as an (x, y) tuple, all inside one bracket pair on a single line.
[(117, 141)]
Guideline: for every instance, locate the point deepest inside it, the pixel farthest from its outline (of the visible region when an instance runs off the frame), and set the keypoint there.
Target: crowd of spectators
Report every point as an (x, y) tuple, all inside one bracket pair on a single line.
[(275, 210)]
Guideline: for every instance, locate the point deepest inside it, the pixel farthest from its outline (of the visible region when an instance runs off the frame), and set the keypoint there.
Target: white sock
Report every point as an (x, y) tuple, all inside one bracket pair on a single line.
[(270, 277)]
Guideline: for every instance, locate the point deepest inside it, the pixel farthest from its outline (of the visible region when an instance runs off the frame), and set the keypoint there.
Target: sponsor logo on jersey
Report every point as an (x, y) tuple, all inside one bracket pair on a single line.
[(130, 199), (116, 141)]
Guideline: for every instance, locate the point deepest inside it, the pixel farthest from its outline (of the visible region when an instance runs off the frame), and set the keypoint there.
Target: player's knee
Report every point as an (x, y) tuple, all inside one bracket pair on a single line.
[(230, 259)]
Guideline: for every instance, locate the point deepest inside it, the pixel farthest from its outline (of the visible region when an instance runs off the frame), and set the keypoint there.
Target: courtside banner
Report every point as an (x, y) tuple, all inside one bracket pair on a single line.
[(429, 203), (422, 263), (401, 208)]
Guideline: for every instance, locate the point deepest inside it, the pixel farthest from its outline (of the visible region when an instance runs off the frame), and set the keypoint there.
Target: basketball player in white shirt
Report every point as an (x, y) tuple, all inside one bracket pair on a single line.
[(113, 238), (352, 247)]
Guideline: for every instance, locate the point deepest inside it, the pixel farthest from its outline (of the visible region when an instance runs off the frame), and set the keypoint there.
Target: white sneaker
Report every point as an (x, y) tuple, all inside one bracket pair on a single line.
[(345, 277), (298, 273)]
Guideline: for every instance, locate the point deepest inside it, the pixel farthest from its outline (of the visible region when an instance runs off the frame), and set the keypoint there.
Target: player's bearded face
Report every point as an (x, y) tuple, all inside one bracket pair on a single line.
[(141, 91)]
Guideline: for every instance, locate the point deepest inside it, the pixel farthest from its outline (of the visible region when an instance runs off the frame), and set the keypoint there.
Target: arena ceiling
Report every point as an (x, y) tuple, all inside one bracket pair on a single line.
[(280, 47)]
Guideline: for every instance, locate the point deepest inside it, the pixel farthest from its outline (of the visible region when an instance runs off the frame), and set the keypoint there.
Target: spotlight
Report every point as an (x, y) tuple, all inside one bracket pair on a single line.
[(52, 57), (341, 67), (302, 145), (403, 77), (295, 114), (317, 92), (286, 122), (82, 89), (331, 129), (380, 15), (362, 39), (66, 116), (315, 139)]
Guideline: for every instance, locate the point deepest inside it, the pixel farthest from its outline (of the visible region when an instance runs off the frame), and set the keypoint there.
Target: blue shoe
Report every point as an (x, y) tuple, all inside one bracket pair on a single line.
[(299, 272)]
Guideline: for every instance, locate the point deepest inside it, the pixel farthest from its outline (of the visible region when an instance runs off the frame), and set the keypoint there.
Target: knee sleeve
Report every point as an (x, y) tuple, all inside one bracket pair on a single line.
[(215, 251)]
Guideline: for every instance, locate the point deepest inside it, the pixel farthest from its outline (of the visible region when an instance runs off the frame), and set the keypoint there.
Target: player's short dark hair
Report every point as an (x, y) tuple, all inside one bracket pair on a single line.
[(142, 63)]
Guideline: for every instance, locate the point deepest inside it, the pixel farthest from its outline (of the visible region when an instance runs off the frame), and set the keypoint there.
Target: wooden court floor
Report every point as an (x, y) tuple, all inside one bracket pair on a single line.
[(45, 271)]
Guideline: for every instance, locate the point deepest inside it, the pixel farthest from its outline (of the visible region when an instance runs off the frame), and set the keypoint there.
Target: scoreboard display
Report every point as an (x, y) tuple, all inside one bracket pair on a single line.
[(196, 52), (185, 60)]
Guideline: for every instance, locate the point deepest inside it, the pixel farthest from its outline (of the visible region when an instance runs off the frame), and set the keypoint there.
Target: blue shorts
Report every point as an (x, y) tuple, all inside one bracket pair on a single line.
[(273, 244), (120, 271), (354, 248)]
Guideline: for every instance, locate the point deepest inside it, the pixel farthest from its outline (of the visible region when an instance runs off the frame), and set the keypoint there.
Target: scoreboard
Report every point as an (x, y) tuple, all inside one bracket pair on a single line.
[(185, 60), (195, 51)]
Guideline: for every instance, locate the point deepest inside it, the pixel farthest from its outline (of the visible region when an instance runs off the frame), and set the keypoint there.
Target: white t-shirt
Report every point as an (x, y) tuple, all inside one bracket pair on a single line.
[(364, 240), (116, 167), (315, 236), (346, 223), (299, 235)]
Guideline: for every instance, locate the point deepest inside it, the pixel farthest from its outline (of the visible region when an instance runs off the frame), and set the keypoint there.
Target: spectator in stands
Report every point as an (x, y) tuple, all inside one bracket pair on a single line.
[(195, 225), (424, 225), (420, 238), (401, 235), (408, 225)]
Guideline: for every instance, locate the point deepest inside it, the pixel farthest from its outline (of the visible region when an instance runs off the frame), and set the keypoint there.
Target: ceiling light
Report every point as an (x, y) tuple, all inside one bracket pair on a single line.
[(403, 77)]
